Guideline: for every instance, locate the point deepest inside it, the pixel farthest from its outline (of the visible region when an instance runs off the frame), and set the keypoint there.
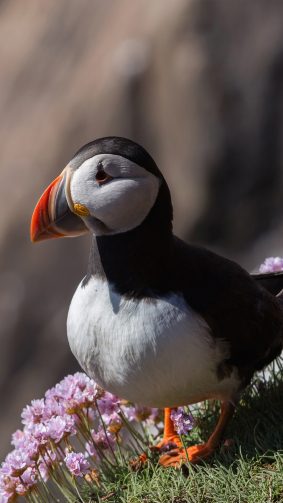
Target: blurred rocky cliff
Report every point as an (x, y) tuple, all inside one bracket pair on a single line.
[(198, 82)]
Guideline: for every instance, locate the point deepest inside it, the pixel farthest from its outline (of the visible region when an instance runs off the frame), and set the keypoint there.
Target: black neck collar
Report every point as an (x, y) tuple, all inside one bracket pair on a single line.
[(136, 262)]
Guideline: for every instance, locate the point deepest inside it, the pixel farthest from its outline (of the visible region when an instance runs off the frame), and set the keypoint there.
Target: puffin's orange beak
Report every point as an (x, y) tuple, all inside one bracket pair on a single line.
[(52, 217)]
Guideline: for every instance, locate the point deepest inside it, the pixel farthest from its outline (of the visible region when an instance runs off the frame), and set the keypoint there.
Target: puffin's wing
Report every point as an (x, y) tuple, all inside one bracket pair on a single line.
[(271, 281), (237, 310)]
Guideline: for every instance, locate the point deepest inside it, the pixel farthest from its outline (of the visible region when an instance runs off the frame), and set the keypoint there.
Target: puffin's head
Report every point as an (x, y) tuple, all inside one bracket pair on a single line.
[(110, 186)]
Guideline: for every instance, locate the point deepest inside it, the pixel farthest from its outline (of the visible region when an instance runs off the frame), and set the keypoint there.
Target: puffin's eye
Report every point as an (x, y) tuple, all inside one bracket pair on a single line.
[(102, 177)]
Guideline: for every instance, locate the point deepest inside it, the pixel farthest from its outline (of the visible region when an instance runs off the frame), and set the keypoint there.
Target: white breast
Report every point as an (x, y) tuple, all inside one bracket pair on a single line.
[(156, 352)]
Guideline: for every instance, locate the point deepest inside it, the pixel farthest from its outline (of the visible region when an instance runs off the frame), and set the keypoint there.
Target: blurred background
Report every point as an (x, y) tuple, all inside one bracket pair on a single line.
[(199, 83)]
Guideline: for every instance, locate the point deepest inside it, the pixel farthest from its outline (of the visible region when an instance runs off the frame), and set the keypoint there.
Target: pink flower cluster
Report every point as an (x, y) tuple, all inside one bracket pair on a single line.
[(77, 464), (272, 264), (47, 422), (76, 411)]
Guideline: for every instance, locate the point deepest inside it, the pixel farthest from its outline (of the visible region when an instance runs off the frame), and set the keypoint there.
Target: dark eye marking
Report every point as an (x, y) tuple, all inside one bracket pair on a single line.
[(102, 177)]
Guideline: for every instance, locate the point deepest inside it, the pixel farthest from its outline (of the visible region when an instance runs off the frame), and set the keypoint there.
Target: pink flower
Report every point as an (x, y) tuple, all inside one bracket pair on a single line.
[(7, 482), (7, 486), (53, 408), (25, 441), (28, 479), (40, 433), (74, 391), (102, 440), (272, 264), (16, 463), (58, 427), (34, 412), (108, 404), (18, 438), (11, 485), (183, 422), (76, 463)]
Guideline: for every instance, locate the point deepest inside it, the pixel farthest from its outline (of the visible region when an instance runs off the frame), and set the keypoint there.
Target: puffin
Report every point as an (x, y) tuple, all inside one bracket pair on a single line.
[(155, 320)]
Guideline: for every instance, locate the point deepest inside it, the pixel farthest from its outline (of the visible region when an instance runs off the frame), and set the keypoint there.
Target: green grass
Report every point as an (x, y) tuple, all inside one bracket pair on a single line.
[(251, 471)]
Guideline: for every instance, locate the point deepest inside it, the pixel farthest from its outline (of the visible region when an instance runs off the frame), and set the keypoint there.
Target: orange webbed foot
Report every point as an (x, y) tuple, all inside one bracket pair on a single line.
[(195, 453)]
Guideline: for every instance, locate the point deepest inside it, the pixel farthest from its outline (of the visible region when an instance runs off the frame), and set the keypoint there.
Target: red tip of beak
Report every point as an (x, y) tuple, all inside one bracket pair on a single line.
[(42, 226)]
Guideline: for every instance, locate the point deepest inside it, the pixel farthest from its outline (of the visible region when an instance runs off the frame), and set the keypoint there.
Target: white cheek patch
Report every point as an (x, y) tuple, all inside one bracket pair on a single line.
[(120, 204), (128, 203)]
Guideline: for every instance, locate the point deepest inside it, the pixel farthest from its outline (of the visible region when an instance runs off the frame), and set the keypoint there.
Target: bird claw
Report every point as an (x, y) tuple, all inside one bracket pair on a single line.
[(178, 457)]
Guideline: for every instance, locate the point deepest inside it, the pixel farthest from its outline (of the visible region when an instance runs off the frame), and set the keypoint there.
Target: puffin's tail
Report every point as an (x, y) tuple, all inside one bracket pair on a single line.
[(272, 282)]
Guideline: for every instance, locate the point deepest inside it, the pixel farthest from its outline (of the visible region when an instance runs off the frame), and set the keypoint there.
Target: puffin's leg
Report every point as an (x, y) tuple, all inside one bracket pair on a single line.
[(196, 453), (171, 440)]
